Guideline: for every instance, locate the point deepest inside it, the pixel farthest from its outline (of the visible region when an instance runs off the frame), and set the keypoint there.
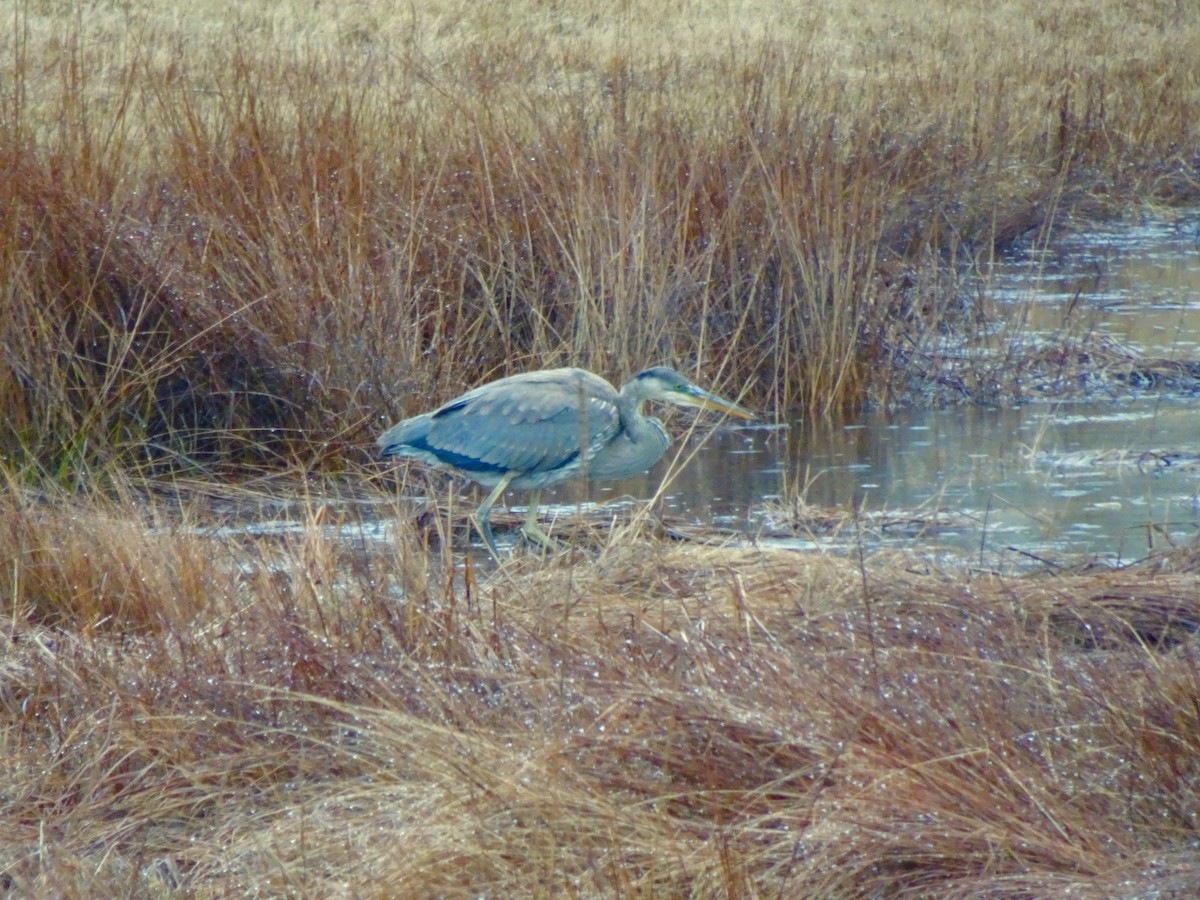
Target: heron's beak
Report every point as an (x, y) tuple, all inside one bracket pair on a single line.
[(704, 400)]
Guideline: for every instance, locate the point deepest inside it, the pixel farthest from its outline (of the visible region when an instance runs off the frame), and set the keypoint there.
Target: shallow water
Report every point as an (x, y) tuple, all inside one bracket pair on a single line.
[(1011, 486), (1114, 480), (1043, 483), (1137, 281)]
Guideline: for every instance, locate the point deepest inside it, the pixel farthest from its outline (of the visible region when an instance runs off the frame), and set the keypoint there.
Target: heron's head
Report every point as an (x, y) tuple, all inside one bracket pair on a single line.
[(667, 385)]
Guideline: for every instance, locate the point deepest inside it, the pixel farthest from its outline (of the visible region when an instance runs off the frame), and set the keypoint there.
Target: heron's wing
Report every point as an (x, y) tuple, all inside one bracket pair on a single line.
[(530, 423)]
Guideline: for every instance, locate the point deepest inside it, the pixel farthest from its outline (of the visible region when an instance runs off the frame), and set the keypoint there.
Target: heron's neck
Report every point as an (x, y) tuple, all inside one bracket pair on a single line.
[(630, 410), (638, 427)]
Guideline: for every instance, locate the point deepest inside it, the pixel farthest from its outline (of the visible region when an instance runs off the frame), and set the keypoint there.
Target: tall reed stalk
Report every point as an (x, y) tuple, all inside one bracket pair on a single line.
[(234, 239)]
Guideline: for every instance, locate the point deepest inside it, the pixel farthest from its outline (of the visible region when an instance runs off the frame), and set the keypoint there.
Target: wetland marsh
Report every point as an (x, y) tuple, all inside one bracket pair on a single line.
[(237, 240)]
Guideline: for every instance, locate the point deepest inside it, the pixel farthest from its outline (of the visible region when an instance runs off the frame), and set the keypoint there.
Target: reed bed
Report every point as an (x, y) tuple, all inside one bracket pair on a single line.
[(236, 239), (234, 235), (198, 713)]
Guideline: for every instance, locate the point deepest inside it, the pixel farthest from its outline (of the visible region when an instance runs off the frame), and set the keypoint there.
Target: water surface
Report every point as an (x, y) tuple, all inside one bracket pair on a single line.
[(1137, 281), (1115, 479), (1040, 484)]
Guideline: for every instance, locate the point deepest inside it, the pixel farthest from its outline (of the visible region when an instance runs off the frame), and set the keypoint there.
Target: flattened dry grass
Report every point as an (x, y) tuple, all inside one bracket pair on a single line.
[(237, 235), (243, 234), (319, 716)]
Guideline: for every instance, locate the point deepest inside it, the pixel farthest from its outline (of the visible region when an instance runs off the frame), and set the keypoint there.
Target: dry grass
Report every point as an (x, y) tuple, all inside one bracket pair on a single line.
[(235, 233), (237, 236), (189, 712)]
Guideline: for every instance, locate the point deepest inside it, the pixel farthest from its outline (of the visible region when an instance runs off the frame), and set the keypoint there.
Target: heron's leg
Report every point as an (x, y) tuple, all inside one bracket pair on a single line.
[(531, 529), (481, 515)]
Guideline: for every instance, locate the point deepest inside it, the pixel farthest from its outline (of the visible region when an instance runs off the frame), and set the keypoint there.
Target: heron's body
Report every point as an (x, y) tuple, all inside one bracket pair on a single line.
[(540, 429)]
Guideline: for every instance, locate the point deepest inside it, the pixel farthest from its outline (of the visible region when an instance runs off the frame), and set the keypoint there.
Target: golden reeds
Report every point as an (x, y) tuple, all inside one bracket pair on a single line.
[(236, 236)]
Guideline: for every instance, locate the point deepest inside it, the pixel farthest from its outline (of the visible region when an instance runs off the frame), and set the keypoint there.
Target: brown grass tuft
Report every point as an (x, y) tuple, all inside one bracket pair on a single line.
[(236, 237), (317, 713)]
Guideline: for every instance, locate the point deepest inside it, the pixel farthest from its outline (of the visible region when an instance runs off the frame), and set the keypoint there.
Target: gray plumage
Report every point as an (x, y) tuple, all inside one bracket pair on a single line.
[(539, 429)]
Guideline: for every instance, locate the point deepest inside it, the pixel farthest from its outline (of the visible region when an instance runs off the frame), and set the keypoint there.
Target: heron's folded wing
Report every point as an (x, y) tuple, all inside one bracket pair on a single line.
[(534, 423)]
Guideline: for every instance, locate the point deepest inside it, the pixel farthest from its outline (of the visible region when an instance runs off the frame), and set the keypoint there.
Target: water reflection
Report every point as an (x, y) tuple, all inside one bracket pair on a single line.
[(1137, 281), (1039, 480), (1114, 480)]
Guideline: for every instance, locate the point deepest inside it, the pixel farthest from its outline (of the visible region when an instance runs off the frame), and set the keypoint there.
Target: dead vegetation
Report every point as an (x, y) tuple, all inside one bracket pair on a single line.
[(300, 713), (232, 236), (236, 238)]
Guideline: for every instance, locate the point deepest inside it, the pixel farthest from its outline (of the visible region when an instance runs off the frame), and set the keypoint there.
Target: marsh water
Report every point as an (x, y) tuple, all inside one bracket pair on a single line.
[(1040, 483), (1112, 478), (1137, 281), (996, 487)]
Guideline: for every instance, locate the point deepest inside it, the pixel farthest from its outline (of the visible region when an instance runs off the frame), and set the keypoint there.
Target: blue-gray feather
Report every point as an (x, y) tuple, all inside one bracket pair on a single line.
[(532, 424), (541, 428)]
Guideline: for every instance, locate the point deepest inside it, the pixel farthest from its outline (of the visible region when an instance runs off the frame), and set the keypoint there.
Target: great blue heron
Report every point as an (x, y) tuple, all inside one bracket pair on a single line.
[(538, 429)]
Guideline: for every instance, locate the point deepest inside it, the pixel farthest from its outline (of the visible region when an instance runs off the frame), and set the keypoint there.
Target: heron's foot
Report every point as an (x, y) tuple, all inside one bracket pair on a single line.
[(534, 534), (485, 531)]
